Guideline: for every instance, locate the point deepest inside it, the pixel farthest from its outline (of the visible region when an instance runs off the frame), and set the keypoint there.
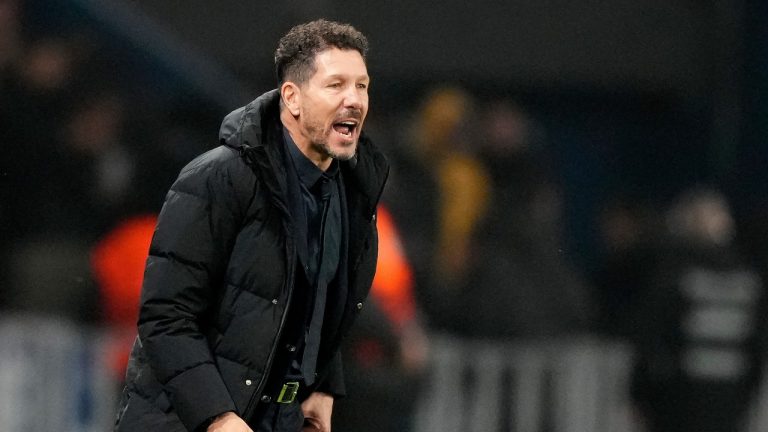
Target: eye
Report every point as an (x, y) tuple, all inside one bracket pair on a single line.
[(362, 86), (334, 85)]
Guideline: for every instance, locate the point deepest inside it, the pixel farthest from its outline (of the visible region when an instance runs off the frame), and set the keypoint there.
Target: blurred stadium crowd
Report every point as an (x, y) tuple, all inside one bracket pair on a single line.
[(474, 255)]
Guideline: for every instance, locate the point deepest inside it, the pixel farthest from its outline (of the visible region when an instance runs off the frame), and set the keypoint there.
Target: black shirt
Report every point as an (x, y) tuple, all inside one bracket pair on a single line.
[(320, 210)]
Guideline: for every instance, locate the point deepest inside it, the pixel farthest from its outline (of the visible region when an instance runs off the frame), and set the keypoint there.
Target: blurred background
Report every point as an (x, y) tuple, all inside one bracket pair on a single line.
[(574, 236)]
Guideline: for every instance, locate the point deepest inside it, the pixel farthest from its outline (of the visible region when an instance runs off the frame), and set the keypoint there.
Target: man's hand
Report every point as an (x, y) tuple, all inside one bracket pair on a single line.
[(317, 412), (228, 422)]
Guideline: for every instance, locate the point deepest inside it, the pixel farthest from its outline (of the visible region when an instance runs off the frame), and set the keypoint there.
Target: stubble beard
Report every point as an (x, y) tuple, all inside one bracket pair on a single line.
[(318, 137), (324, 148)]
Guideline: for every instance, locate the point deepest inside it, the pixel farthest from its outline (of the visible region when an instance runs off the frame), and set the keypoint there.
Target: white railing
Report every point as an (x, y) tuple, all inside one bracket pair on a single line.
[(54, 375), (568, 386)]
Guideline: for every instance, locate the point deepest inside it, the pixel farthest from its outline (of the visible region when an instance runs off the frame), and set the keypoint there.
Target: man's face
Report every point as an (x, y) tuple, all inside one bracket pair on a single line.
[(334, 103)]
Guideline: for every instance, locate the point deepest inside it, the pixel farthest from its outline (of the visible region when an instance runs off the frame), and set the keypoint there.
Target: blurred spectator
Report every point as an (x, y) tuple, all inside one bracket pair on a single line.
[(36, 101), (631, 240), (33, 107), (448, 195), (701, 332), (99, 165), (521, 283), (485, 227), (38, 88), (387, 349), (77, 190)]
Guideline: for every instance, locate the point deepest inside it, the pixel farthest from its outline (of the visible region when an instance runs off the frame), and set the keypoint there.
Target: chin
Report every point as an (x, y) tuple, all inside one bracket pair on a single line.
[(341, 151), (344, 155)]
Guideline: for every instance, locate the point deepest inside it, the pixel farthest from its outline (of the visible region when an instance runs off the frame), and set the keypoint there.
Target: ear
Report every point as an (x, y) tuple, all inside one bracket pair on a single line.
[(291, 95)]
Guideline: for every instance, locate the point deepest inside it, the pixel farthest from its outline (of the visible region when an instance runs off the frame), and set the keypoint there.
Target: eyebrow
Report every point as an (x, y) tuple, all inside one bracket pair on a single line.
[(342, 76)]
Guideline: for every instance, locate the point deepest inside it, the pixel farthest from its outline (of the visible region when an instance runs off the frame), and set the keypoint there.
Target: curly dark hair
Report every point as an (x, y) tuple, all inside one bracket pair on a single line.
[(296, 51)]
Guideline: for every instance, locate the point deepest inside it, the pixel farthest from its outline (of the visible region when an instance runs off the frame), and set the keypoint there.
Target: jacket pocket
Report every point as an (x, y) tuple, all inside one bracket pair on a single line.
[(240, 380), (252, 327)]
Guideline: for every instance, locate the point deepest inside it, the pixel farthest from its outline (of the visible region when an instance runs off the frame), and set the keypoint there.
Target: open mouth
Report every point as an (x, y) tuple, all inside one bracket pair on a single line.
[(346, 127)]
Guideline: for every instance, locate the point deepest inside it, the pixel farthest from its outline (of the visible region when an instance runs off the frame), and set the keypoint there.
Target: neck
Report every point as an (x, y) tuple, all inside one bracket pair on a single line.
[(304, 144)]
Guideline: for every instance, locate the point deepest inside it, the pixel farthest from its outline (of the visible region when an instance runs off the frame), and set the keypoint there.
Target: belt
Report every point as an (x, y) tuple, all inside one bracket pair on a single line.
[(288, 392)]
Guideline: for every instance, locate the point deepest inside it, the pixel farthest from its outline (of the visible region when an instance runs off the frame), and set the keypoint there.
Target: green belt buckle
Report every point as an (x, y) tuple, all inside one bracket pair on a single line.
[(288, 393)]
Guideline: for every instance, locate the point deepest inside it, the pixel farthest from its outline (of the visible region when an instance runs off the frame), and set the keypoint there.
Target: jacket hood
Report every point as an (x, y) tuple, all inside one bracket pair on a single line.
[(244, 125)]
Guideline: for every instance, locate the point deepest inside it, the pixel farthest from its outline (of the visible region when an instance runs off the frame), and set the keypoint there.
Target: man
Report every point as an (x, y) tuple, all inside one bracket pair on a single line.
[(699, 324), (263, 255)]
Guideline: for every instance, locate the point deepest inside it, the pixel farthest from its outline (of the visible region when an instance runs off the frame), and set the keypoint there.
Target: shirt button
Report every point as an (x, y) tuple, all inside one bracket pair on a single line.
[(373, 218), (359, 306), (248, 382), (291, 348), (274, 301), (266, 399)]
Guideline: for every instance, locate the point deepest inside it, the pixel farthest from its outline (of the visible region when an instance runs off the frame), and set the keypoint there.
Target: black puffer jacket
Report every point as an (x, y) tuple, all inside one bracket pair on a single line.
[(219, 277)]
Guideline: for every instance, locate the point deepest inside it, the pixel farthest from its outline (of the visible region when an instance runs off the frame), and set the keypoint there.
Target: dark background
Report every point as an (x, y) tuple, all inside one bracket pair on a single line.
[(637, 97)]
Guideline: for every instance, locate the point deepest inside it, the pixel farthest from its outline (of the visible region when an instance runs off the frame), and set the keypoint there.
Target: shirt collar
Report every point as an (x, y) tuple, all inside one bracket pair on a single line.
[(308, 172)]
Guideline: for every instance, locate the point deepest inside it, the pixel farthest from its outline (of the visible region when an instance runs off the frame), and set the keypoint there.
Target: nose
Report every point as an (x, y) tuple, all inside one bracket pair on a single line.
[(353, 98)]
